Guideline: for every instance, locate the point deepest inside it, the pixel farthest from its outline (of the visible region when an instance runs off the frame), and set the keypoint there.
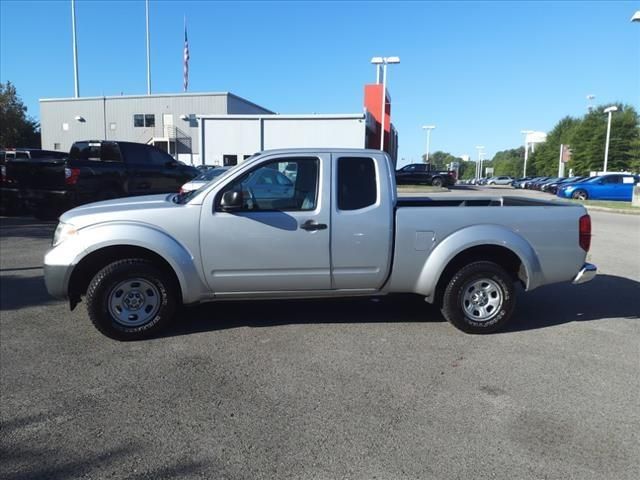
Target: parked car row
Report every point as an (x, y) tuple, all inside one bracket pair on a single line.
[(49, 183), (611, 186)]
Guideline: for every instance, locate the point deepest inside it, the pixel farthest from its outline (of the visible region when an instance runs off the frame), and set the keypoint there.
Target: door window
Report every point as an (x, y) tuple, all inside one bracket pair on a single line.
[(136, 153), (357, 183), (159, 158), (267, 188)]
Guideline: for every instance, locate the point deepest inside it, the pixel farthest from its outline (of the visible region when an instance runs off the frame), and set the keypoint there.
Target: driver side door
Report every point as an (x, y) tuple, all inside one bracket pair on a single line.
[(277, 241)]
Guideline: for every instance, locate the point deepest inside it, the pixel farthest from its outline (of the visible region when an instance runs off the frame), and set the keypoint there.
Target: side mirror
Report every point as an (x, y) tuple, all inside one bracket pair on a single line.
[(171, 164), (231, 201), (600, 182)]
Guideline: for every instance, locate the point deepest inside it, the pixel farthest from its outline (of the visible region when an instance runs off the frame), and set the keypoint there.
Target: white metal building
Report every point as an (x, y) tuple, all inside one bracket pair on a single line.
[(229, 139)]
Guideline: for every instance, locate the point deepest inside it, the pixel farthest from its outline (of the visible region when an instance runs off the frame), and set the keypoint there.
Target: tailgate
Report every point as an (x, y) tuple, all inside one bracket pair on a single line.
[(41, 173)]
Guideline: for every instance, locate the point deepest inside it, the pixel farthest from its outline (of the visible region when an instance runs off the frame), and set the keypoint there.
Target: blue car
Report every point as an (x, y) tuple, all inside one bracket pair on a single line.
[(617, 186)]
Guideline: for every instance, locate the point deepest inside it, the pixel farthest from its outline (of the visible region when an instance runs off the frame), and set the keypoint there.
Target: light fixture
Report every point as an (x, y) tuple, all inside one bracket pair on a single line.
[(80, 119), (184, 117)]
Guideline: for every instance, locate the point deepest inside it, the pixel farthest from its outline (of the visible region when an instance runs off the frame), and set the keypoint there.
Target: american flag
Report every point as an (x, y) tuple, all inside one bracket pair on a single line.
[(185, 79)]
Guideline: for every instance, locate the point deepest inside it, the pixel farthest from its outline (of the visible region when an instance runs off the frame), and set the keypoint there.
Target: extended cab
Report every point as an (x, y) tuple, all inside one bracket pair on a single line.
[(94, 170), (339, 229)]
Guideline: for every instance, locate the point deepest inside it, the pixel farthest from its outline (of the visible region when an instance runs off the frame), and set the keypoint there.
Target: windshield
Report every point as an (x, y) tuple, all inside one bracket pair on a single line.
[(218, 174), (210, 174)]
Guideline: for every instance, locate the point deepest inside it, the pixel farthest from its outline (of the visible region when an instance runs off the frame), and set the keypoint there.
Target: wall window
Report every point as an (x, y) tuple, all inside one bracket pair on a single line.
[(144, 120), (229, 160), (357, 185), (56, 146)]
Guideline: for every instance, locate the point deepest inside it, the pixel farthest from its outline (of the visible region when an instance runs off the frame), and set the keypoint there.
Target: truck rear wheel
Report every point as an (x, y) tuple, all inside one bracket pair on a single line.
[(480, 298), (131, 299), (437, 182)]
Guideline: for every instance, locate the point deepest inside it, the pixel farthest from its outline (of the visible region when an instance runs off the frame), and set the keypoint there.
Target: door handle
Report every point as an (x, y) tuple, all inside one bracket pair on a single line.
[(312, 225)]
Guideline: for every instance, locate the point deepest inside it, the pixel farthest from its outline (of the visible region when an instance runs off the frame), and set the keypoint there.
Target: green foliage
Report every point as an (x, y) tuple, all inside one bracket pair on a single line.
[(16, 128), (508, 162), (586, 138), (441, 160), (544, 161)]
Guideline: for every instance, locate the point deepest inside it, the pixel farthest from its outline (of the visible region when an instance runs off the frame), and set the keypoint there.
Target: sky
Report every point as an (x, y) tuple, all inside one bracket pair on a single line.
[(480, 71)]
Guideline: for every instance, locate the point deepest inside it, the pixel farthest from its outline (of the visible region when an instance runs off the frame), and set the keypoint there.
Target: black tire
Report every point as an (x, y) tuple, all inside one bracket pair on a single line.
[(437, 182), (462, 284), (160, 286), (580, 195)]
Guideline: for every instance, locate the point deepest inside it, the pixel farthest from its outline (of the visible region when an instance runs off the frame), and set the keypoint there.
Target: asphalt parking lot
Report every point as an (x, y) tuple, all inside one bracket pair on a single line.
[(355, 389)]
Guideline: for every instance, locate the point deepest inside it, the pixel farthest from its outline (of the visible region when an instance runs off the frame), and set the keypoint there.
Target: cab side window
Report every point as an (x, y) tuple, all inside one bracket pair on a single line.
[(357, 183)]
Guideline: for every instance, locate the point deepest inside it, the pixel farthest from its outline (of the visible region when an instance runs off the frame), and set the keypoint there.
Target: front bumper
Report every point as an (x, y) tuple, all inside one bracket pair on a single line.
[(586, 274), (56, 279)]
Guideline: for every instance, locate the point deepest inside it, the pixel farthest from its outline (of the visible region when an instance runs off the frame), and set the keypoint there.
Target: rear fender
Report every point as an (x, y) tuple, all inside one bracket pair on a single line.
[(474, 236)]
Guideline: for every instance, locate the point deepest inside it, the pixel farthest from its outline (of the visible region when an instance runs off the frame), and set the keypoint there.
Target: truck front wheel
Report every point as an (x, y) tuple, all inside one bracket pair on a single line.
[(131, 299), (479, 298), (437, 182)]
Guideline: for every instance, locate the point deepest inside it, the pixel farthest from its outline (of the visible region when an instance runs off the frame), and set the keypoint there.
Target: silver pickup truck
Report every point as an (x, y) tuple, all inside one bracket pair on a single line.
[(301, 223)]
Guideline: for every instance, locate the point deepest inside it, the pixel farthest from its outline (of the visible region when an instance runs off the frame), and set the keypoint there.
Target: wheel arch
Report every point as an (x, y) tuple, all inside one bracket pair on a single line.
[(481, 242), (134, 241)]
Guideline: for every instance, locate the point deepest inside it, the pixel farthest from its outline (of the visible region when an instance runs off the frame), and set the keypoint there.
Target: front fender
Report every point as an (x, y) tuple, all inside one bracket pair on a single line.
[(99, 236), (475, 236)]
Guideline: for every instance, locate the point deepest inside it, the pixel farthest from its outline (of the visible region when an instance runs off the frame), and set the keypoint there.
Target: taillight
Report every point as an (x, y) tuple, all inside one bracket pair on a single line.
[(71, 175), (3, 173), (585, 232)]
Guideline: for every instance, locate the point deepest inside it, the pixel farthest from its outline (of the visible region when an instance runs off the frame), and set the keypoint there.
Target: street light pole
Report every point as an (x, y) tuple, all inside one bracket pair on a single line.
[(609, 110), (384, 61), (590, 97), (428, 128), (526, 150), (479, 162)]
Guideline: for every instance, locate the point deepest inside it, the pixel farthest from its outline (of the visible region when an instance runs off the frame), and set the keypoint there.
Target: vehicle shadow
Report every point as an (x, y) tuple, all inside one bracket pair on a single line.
[(270, 313), (18, 292), (607, 296), (26, 227)]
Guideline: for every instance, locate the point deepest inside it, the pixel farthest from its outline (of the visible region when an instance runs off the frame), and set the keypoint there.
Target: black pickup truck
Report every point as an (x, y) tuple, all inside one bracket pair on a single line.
[(93, 171), (416, 173)]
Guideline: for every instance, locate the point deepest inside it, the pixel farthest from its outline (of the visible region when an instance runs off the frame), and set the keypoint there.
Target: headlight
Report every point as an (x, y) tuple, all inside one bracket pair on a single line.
[(63, 232)]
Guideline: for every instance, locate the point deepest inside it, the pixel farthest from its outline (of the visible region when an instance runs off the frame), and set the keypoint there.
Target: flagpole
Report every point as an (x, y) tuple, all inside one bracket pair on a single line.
[(76, 83), (148, 54)]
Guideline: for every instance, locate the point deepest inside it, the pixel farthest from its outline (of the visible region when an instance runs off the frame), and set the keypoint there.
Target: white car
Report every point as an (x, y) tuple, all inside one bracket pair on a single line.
[(203, 179), (504, 180)]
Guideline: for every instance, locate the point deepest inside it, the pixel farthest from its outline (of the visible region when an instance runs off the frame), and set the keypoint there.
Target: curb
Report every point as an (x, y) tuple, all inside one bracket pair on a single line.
[(612, 210)]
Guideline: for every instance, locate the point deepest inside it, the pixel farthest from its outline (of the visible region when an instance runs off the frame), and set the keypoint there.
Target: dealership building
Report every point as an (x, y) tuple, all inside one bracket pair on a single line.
[(211, 128)]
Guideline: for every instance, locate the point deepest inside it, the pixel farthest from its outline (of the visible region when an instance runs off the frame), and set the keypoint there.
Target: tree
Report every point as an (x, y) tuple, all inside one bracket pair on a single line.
[(16, 128), (544, 161), (508, 162), (589, 141)]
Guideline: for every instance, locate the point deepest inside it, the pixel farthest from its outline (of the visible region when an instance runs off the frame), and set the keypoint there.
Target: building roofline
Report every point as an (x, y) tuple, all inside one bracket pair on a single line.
[(248, 102), (155, 95), (303, 116), (369, 151)]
